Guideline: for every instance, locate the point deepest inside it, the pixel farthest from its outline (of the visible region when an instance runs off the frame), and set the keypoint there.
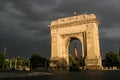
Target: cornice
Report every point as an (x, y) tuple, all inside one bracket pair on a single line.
[(75, 20)]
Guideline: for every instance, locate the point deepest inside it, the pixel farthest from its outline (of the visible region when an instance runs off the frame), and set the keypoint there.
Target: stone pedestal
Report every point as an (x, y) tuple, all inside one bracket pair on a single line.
[(57, 63), (93, 64)]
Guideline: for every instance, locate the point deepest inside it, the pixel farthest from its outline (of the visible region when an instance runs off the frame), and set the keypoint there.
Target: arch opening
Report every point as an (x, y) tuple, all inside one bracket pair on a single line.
[(75, 52), (75, 43)]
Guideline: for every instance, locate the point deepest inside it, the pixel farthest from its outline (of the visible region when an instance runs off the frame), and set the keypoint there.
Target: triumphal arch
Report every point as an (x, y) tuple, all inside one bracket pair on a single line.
[(85, 29)]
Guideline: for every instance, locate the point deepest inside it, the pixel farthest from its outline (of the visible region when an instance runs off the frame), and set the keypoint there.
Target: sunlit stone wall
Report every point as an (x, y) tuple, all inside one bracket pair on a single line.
[(83, 27)]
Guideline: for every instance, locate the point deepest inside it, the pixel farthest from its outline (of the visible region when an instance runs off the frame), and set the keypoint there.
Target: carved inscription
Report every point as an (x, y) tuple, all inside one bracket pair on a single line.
[(92, 61), (71, 30)]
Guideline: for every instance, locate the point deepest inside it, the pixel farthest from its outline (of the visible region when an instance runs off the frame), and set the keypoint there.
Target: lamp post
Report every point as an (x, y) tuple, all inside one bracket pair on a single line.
[(15, 63), (11, 63), (118, 52)]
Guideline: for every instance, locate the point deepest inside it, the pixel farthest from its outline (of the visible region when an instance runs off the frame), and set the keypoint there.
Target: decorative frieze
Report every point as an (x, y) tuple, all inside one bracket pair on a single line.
[(89, 26)]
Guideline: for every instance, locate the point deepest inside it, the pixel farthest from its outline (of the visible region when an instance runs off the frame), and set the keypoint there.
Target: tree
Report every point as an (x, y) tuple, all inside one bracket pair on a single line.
[(37, 61), (2, 59), (81, 61), (16, 62), (71, 60), (22, 61), (111, 59)]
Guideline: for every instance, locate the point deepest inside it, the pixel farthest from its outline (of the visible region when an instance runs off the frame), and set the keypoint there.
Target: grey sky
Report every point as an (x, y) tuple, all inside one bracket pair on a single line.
[(24, 23)]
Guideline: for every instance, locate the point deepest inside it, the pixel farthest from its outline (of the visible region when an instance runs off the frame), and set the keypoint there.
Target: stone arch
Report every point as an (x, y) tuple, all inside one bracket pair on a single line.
[(85, 29), (67, 43)]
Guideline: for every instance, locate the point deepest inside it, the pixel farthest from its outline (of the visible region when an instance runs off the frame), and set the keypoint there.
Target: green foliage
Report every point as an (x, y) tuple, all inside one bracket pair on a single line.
[(111, 59), (2, 59), (37, 61), (6, 63), (22, 61), (79, 62), (15, 62), (71, 60)]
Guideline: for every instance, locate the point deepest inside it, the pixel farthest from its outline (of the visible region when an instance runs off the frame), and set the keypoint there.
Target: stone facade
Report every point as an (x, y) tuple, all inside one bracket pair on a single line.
[(84, 28)]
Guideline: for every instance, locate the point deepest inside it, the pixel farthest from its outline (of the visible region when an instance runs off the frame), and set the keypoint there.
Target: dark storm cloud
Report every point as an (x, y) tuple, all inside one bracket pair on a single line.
[(19, 34), (37, 10), (108, 11), (24, 23)]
